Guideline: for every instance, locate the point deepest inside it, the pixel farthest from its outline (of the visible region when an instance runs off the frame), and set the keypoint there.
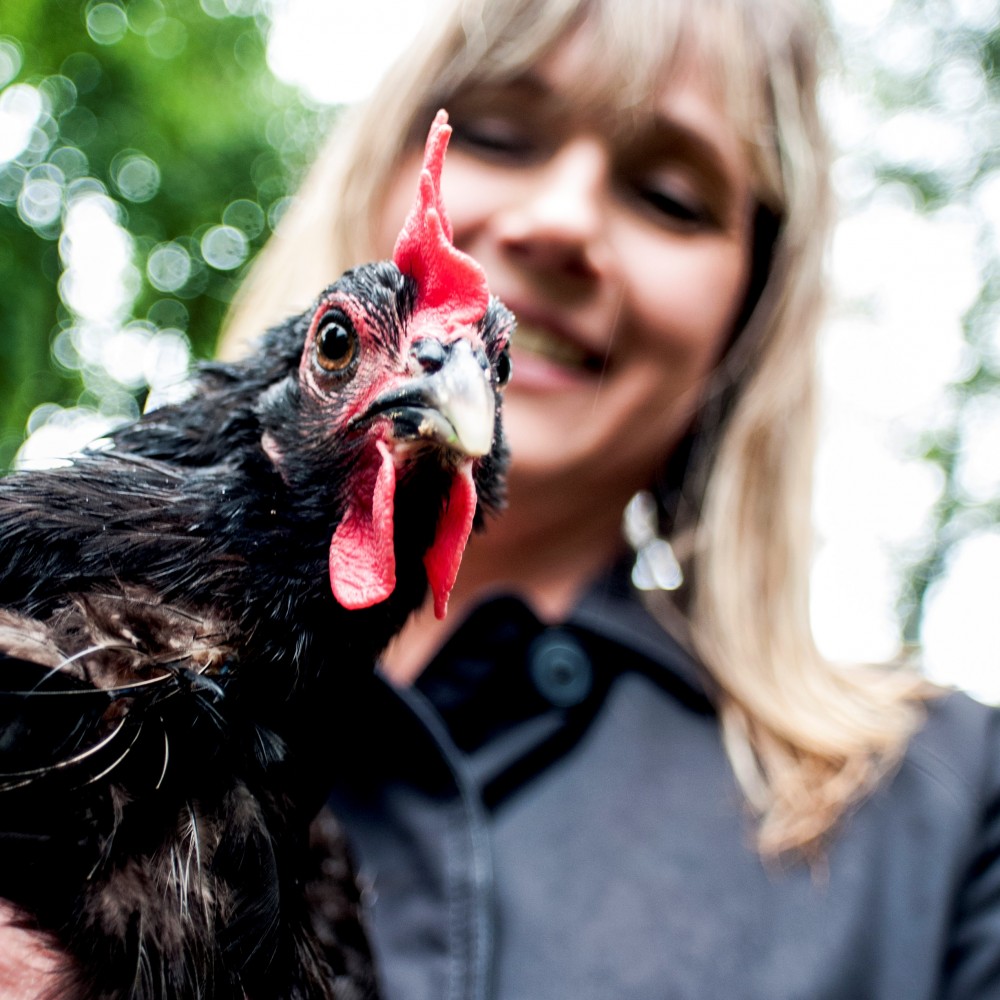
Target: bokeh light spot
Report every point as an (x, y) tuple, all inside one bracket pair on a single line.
[(62, 433), (166, 38), (977, 14), (168, 267), (246, 216), (135, 175), (10, 60), (59, 93), (165, 313), (71, 161), (977, 471), (123, 354), (98, 283), (144, 15), (39, 141), (65, 354), (106, 23), (20, 108), (40, 202), (277, 210), (11, 180), (166, 365), (224, 247), (83, 69), (214, 8)]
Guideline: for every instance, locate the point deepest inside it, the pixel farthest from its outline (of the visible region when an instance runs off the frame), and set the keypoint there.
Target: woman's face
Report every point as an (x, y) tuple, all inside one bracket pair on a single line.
[(625, 258)]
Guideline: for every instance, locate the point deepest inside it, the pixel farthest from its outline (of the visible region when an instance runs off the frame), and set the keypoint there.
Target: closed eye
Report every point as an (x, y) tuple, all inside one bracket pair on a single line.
[(687, 211), (494, 138)]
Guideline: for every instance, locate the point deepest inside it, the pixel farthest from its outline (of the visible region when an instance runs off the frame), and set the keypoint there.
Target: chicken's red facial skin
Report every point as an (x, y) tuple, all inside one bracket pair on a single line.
[(383, 357)]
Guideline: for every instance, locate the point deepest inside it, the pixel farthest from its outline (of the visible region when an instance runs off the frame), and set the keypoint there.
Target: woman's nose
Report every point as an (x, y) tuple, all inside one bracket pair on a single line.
[(556, 222)]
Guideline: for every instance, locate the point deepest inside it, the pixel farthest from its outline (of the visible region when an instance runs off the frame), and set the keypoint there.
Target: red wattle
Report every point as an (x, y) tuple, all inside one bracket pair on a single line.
[(362, 560), (444, 557)]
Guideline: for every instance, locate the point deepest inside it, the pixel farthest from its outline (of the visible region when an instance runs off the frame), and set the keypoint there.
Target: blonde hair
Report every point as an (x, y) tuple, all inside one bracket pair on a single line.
[(806, 739)]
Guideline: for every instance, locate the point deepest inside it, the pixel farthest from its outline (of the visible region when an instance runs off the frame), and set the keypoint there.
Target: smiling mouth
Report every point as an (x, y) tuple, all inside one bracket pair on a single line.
[(541, 343)]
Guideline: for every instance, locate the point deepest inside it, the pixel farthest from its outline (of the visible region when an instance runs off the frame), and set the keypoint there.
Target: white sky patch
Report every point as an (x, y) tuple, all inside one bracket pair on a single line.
[(166, 362), (978, 468), (853, 594), (61, 433), (98, 285), (925, 140), (961, 84), (337, 50), (872, 508), (908, 48), (863, 13), (895, 344), (888, 357), (99, 280), (961, 633), (987, 201), (20, 108), (979, 14), (122, 354)]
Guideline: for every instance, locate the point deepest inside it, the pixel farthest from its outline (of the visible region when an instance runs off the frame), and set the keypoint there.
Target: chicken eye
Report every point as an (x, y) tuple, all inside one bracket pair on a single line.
[(336, 342), (505, 367)]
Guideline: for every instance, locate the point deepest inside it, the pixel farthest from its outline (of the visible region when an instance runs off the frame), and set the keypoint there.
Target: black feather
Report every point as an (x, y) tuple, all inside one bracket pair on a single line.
[(168, 640)]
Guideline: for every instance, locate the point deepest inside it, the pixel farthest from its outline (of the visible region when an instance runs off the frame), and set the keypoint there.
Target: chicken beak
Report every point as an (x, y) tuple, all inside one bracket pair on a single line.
[(453, 405)]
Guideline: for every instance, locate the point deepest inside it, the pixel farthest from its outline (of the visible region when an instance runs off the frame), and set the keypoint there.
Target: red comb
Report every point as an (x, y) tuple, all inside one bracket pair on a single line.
[(448, 281)]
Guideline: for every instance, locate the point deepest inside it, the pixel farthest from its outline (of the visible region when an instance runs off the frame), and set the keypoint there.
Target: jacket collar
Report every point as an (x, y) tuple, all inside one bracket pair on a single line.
[(614, 610), (617, 630)]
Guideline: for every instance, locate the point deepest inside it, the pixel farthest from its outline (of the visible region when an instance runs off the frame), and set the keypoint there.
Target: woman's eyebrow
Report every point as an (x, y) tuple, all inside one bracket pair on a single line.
[(671, 133), (681, 140), (528, 85)]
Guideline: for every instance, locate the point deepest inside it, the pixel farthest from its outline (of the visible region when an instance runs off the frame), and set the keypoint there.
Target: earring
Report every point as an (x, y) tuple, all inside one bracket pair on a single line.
[(656, 567)]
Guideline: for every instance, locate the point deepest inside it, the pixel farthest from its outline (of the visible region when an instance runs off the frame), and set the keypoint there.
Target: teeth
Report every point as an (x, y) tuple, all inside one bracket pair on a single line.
[(540, 342)]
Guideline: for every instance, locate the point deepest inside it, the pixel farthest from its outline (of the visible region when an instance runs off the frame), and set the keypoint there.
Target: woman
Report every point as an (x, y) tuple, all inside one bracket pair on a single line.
[(593, 792)]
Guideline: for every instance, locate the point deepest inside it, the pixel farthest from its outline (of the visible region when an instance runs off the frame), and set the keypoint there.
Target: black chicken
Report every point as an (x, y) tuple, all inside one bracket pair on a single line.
[(169, 642)]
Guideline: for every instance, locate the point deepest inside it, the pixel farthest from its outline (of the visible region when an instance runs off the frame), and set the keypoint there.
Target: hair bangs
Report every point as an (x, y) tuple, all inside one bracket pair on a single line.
[(634, 51)]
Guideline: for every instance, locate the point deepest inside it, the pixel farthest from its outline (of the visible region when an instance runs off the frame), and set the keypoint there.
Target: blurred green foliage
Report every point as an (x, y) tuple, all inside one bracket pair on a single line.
[(169, 109)]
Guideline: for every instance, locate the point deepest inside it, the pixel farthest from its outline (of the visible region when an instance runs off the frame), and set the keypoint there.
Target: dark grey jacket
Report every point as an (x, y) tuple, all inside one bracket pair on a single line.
[(550, 816)]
